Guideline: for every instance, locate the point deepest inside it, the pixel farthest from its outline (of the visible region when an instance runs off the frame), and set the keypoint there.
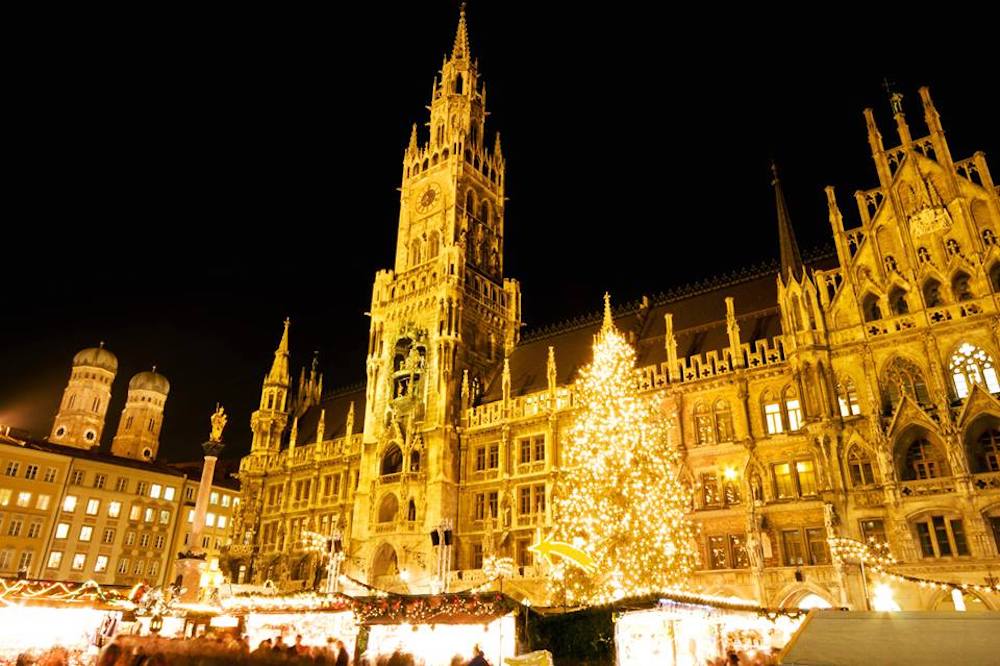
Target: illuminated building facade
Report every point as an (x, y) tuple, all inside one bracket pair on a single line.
[(852, 395)]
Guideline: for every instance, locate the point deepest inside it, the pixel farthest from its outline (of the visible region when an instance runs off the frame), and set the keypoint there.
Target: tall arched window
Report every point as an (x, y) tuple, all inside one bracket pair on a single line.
[(897, 301), (388, 509), (415, 461), (773, 421), (932, 293), (871, 308), (923, 461), (484, 212), (847, 397), (995, 276), (723, 422), (903, 377), (703, 425), (793, 409), (859, 465), (960, 287), (972, 365), (433, 245), (470, 203), (415, 253), (392, 461)]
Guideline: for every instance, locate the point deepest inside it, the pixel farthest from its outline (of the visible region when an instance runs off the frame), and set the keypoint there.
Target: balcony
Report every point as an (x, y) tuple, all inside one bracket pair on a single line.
[(987, 481), (923, 487)]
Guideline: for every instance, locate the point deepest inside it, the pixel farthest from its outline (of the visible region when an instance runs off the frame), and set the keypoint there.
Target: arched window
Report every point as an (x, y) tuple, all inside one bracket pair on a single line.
[(72, 399), (793, 409), (470, 203), (723, 422), (416, 168), (458, 84), (128, 423), (870, 307), (923, 255), (392, 461), (971, 365), (433, 245), (484, 212), (952, 246), (988, 448), (897, 301), (923, 461), (411, 511), (995, 276), (703, 425), (415, 461), (859, 466), (388, 509), (847, 397), (960, 287), (426, 164), (415, 253), (772, 414), (932, 293), (796, 313), (890, 264), (903, 377)]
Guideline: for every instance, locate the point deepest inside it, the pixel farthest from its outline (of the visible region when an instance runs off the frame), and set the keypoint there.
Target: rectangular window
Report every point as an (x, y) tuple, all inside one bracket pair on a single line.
[(861, 473), (214, 497), (155, 491), (791, 541), (539, 442), (525, 557), (480, 506), (69, 504), (189, 494), (524, 446), (144, 540), (168, 493), (86, 533), (540, 498), (12, 468), (121, 485), (114, 509), (140, 488), (710, 490), (62, 530), (164, 517), (480, 458), (100, 480), (140, 566), (941, 535), (79, 561), (154, 566), (5, 494), (205, 541), (50, 475), (14, 529), (158, 542), (24, 499), (101, 565), (109, 536), (5, 556), (77, 478), (25, 561), (784, 485), (718, 552), (123, 565), (190, 515), (226, 499), (738, 550), (958, 532), (492, 498), (31, 472), (873, 530), (55, 559), (524, 500), (794, 414), (477, 556), (210, 519), (221, 522), (772, 412), (806, 471), (129, 538), (494, 461), (42, 502), (819, 552), (34, 530), (135, 512), (93, 507), (149, 514)]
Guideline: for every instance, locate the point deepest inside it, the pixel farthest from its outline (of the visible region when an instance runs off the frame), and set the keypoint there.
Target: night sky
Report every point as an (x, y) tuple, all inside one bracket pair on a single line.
[(177, 185)]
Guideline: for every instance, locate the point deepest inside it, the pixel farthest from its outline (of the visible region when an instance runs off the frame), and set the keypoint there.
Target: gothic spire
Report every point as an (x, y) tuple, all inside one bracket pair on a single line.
[(279, 369), (461, 49), (791, 260)]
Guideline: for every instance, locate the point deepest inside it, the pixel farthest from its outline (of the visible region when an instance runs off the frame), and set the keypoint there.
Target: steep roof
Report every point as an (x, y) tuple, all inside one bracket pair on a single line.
[(335, 407)]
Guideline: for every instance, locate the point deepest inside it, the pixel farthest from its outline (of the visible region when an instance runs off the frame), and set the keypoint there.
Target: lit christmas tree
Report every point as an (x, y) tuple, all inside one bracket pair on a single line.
[(620, 500)]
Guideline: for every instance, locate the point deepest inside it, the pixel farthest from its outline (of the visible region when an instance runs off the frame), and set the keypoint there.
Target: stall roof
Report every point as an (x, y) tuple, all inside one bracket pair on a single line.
[(455, 608), (913, 638)]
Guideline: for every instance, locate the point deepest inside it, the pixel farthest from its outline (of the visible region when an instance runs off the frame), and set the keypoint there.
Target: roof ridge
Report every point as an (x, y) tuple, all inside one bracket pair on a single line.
[(342, 390), (696, 288)]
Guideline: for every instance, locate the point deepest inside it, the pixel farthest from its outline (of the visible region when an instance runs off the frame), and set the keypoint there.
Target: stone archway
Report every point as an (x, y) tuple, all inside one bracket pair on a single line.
[(384, 562)]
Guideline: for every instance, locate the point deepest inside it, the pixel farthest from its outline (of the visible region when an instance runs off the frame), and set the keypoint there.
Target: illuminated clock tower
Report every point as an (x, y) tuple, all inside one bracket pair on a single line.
[(442, 319)]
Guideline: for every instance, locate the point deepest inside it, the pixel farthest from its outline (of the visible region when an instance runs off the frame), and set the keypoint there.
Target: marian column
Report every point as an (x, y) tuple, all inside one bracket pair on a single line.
[(192, 561)]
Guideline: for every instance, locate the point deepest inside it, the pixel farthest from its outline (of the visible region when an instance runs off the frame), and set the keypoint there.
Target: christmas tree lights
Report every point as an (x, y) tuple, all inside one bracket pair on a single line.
[(620, 499)]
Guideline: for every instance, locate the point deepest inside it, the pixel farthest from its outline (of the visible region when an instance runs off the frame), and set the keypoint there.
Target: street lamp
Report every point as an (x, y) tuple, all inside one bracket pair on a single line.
[(441, 539), (332, 550)]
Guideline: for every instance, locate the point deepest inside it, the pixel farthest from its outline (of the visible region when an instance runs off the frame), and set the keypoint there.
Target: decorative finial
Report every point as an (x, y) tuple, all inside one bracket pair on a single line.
[(895, 98), (154, 368), (218, 420), (100, 345), (461, 48), (608, 321)]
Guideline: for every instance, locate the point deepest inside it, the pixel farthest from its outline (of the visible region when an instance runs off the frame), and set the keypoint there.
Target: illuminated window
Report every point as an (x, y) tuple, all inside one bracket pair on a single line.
[(847, 397), (210, 519), (168, 493), (55, 559), (704, 428), (101, 564), (164, 517), (93, 507), (873, 530), (727, 551), (226, 498), (86, 533), (806, 473), (149, 515), (190, 515), (42, 502), (69, 503), (79, 561), (971, 365), (214, 497), (135, 512), (62, 530), (155, 491), (941, 536), (772, 414), (710, 490), (24, 499), (783, 481), (222, 521), (793, 409), (114, 509), (5, 495)]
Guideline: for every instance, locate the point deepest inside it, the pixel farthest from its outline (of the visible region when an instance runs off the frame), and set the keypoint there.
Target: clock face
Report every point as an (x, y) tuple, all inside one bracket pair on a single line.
[(427, 198)]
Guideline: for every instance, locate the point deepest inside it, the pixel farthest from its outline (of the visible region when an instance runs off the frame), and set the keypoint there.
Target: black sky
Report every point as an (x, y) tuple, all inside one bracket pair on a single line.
[(177, 184)]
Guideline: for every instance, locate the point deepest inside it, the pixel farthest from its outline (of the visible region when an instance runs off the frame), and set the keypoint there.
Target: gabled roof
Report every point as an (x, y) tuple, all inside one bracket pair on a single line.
[(335, 407)]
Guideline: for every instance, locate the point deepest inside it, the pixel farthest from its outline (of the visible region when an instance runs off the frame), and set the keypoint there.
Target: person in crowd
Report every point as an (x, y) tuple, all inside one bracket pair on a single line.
[(478, 658), (342, 657), (263, 649), (299, 649)]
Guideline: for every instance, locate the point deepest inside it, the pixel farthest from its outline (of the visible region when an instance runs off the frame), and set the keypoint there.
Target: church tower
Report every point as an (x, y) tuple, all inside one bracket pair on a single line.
[(271, 417), (138, 435), (80, 420), (445, 311)]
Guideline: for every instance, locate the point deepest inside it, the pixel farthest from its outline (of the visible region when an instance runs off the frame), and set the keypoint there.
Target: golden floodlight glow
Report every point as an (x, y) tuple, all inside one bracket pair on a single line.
[(622, 501)]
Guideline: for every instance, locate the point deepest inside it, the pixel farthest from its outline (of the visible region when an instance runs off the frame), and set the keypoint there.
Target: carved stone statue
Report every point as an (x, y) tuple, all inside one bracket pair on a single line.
[(218, 423)]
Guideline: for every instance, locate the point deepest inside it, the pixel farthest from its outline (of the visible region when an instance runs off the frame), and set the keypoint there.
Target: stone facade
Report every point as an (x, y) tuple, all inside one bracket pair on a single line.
[(851, 395)]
